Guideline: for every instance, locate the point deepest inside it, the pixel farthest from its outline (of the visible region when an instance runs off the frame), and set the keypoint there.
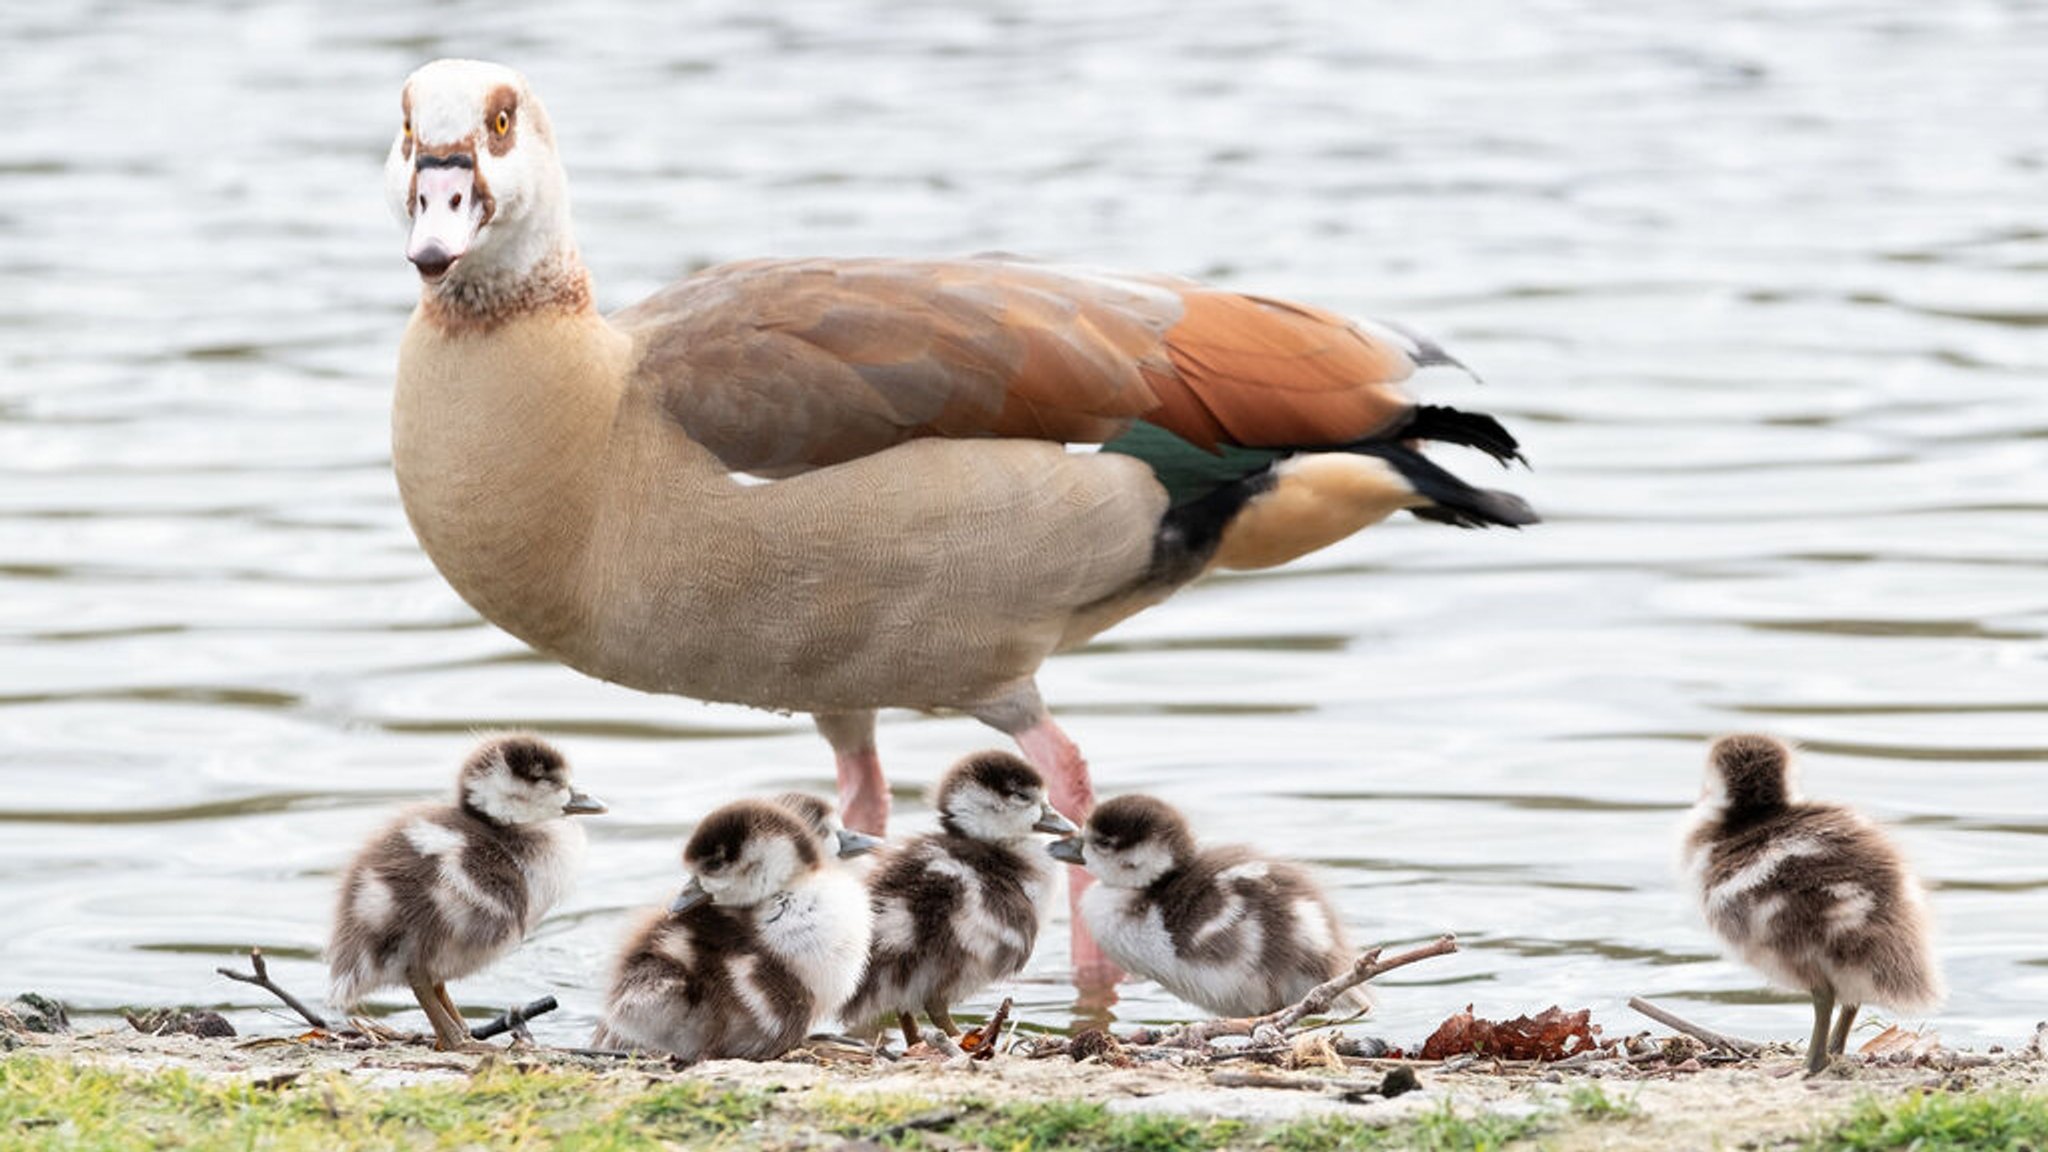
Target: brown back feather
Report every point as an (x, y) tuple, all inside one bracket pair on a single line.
[(854, 356)]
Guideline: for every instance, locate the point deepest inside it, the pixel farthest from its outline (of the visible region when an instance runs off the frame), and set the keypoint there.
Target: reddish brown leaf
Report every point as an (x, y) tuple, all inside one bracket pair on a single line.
[(1551, 1034)]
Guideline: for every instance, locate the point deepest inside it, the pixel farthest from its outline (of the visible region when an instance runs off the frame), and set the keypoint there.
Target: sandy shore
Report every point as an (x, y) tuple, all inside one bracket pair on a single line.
[(1757, 1102)]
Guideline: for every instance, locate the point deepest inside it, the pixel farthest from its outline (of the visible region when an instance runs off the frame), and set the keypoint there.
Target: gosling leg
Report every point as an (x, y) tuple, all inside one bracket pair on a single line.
[(1840, 1039), (454, 1013), (449, 1034), (1817, 1048), (942, 1018), (908, 1023)]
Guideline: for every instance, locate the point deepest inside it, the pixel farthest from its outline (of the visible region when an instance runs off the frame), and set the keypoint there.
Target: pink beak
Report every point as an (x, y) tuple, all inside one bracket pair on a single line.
[(446, 213)]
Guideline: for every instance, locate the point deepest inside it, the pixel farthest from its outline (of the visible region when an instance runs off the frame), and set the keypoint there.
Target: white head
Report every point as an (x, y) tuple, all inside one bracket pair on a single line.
[(474, 178), (1130, 842), (747, 852), (520, 779), (997, 797)]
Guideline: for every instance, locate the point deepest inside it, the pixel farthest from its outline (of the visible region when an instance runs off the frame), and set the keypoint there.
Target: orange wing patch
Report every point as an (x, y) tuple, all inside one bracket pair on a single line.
[(1269, 373)]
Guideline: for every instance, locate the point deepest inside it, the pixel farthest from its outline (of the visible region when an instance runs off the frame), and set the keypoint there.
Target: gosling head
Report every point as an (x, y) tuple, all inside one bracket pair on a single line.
[(1748, 775), (520, 779), (474, 178), (997, 797), (818, 815), (1130, 842), (745, 853)]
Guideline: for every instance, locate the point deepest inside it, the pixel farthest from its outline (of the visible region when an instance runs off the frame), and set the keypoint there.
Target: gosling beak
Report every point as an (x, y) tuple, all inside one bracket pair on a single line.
[(853, 843), (1067, 851), (446, 212), (692, 895), (583, 804), (1051, 821)]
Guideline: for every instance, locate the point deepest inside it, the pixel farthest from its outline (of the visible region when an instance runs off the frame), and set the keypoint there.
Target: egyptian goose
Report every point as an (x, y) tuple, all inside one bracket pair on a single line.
[(1812, 895), (928, 539), (763, 943), (1225, 928), (446, 889), (958, 909)]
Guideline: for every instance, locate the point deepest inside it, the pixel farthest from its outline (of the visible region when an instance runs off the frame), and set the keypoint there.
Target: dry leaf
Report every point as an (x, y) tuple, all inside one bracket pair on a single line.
[(1900, 1045), (1551, 1034)]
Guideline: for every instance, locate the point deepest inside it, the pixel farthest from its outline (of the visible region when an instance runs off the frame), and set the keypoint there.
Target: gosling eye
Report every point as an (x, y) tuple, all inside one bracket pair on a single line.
[(502, 122), (406, 127)]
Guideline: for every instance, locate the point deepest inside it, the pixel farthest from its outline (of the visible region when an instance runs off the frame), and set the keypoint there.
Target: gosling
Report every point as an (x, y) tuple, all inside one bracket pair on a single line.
[(1812, 895), (959, 909), (1224, 928), (764, 942), (821, 816), (446, 889)]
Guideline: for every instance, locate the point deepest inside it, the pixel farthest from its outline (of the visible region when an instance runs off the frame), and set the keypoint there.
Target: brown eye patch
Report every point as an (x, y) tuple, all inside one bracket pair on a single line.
[(501, 120)]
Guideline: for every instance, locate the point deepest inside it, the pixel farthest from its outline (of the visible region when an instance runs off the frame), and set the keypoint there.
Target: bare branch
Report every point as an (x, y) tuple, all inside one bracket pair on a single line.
[(1318, 1000), (262, 980), (513, 1018), (1703, 1035)]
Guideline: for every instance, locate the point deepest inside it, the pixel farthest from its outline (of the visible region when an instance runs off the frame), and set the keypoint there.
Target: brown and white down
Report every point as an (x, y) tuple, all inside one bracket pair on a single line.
[(446, 889), (928, 540), (1225, 928), (1812, 895), (958, 909), (765, 942), (833, 838)]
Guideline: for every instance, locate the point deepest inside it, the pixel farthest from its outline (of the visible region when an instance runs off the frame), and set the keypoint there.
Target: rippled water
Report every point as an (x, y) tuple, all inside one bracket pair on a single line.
[(1762, 291)]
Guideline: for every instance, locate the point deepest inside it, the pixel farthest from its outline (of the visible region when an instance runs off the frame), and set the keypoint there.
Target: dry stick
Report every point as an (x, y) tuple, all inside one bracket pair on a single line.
[(1318, 999), (514, 1018), (1703, 1035), (981, 1042), (262, 980)]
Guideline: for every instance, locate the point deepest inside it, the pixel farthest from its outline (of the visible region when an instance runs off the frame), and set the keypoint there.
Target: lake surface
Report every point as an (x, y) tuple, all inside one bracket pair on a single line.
[(1765, 293)]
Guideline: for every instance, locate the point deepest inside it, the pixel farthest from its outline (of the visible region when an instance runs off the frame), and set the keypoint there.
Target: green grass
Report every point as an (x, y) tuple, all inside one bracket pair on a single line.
[(1589, 1101), (1931, 1122), (1091, 1126), (49, 1104)]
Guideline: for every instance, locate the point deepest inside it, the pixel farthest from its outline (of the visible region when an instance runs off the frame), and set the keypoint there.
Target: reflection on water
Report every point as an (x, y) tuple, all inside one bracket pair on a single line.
[(1760, 290)]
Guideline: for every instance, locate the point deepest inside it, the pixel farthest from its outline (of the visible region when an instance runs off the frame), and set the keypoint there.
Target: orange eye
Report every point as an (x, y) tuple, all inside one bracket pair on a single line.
[(503, 123), (407, 126)]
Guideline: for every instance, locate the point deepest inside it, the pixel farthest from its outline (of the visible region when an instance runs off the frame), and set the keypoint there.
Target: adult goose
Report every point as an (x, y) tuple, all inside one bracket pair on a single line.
[(928, 537)]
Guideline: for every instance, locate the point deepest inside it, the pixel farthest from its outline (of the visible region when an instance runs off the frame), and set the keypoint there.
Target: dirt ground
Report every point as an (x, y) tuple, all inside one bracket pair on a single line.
[(1760, 1102)]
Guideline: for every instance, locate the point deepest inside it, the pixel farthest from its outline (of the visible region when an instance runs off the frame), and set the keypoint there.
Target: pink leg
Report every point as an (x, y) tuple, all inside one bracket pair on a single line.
[(1059, 760), (863, 794)]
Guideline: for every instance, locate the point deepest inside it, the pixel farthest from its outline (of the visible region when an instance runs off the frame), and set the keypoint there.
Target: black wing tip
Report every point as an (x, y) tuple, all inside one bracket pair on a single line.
[(1451, 500), (1478, 430), (1485, 508)]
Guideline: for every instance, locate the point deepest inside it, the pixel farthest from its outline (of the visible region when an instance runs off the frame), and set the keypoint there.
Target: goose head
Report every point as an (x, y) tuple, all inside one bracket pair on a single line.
[(1748, 774), (474, 178), (520, 779), (997, 797), (1130, 842), (746, 853), (818, 815)]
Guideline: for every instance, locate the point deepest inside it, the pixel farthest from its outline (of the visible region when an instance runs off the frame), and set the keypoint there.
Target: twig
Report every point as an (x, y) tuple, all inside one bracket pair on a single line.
[(262, 980), (1318, 1000), (981, 1042), (514, 1018), (1703, 1035)]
